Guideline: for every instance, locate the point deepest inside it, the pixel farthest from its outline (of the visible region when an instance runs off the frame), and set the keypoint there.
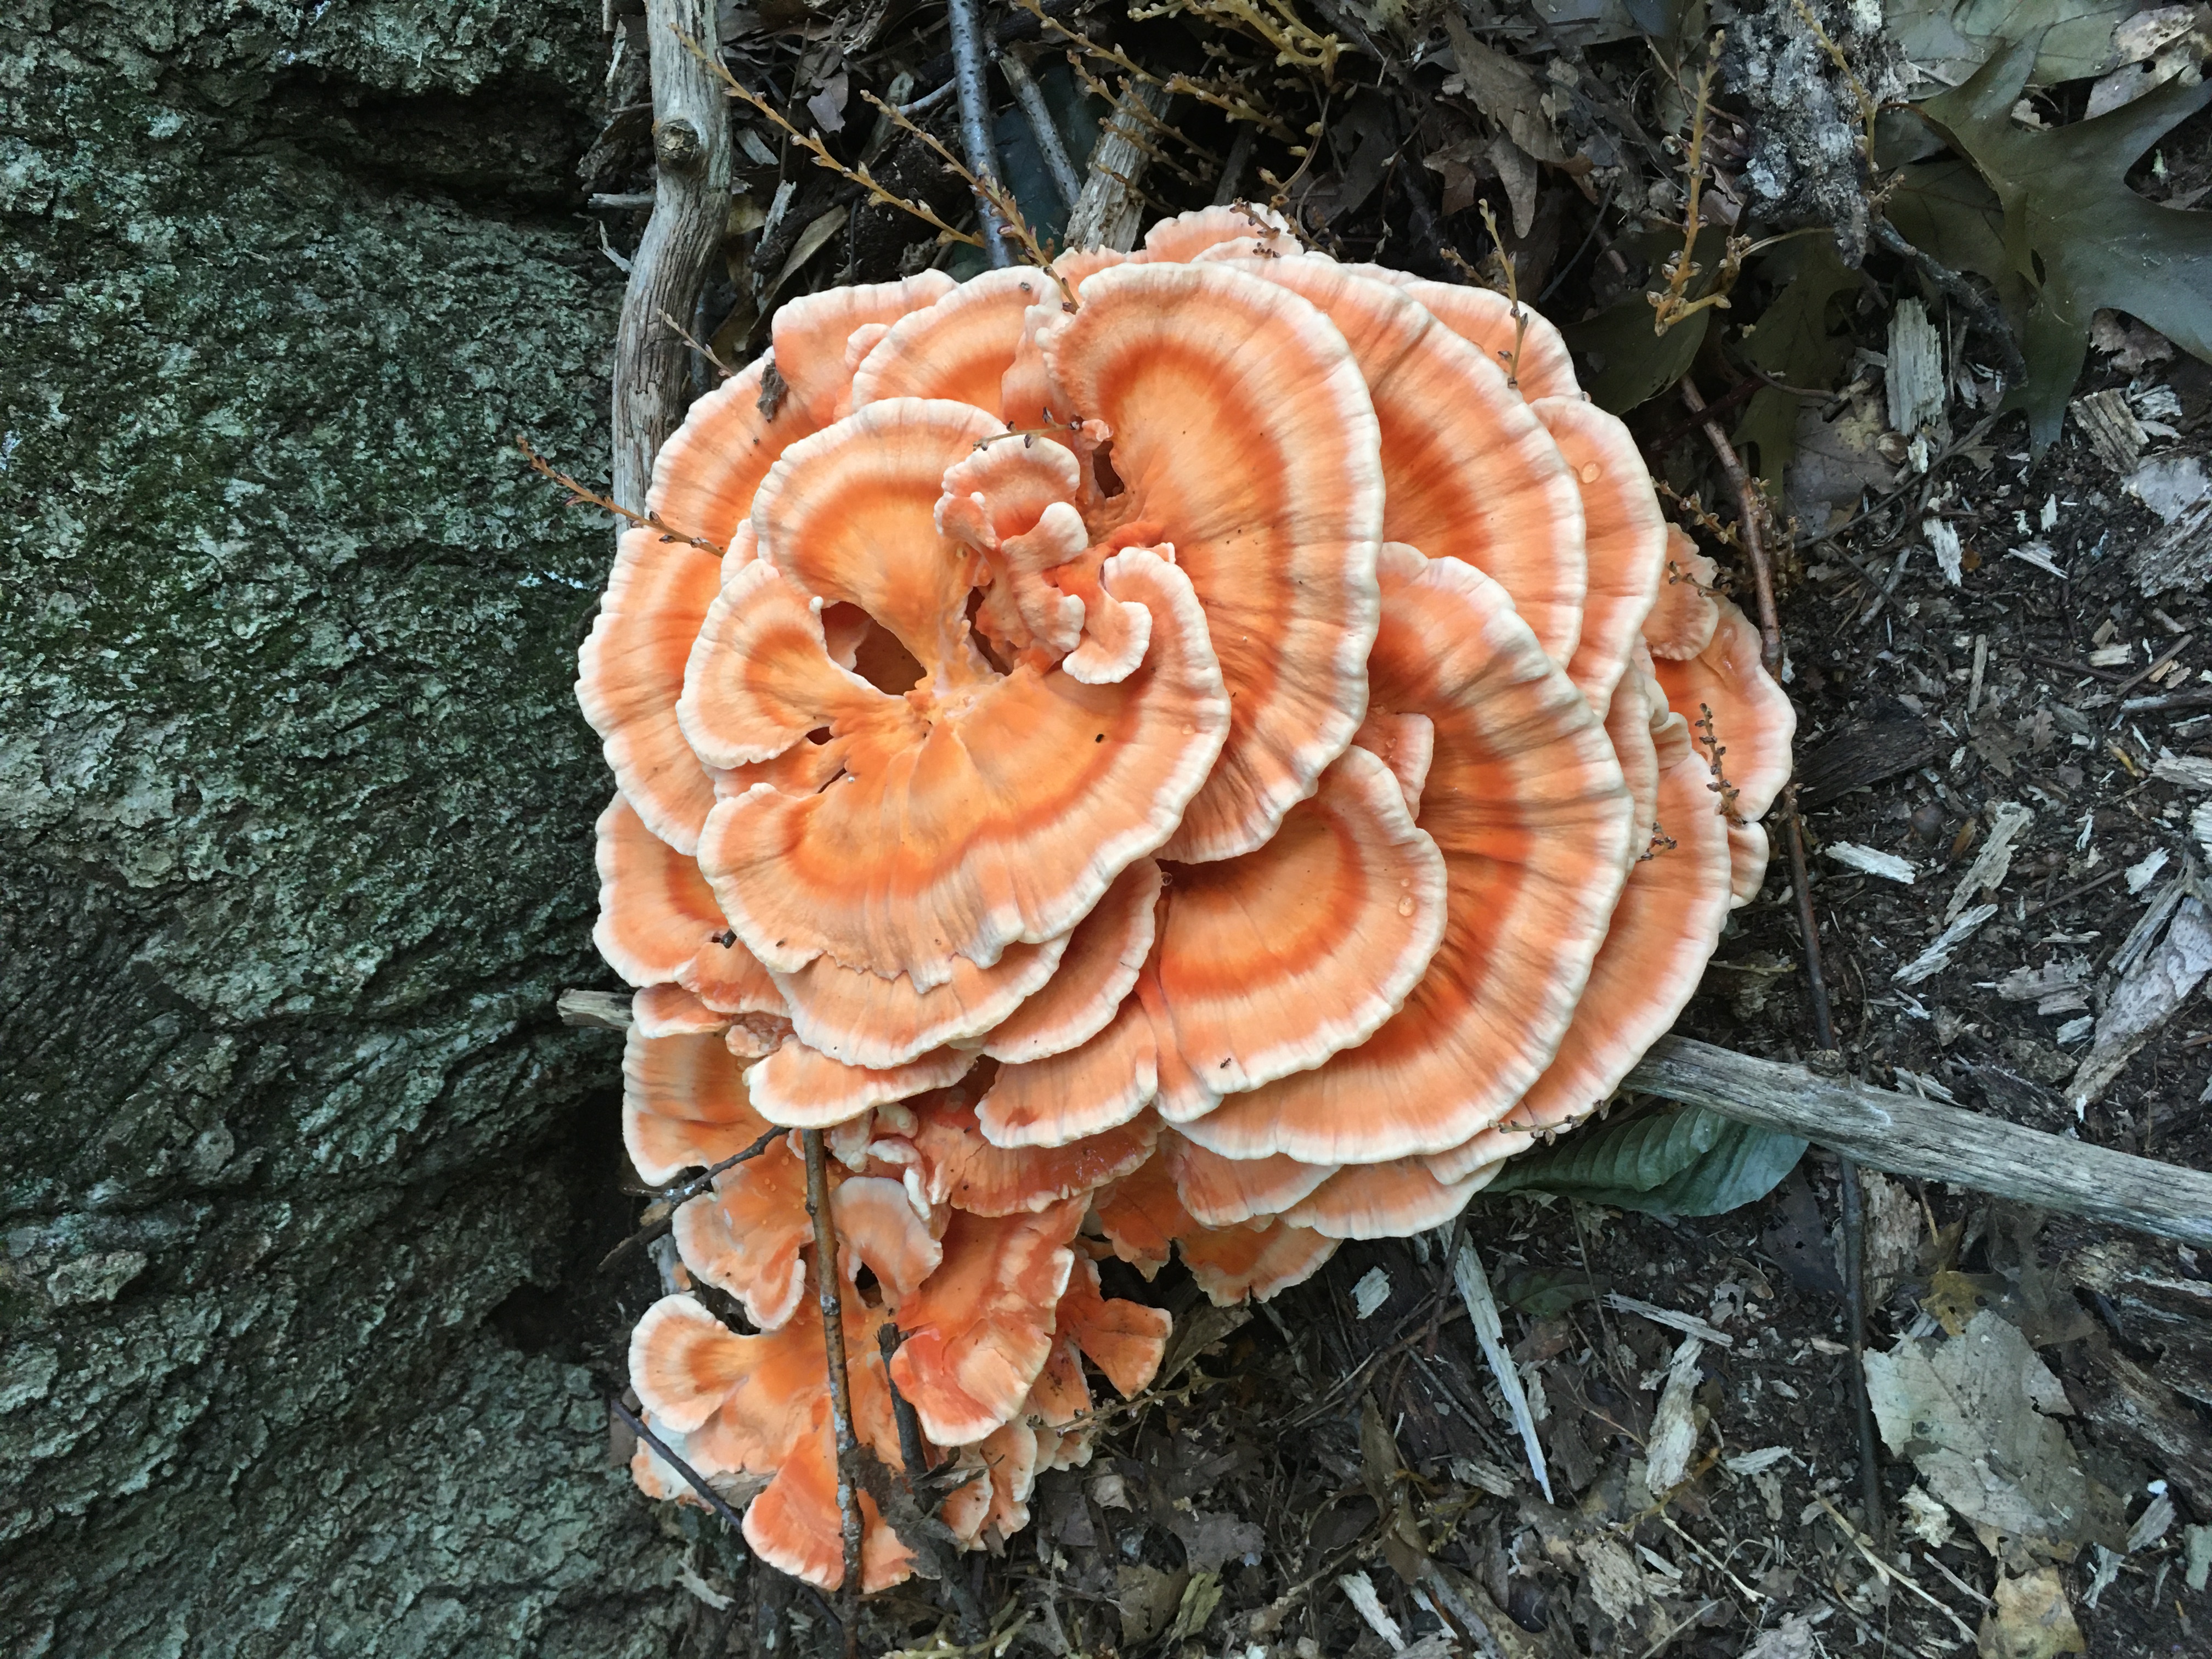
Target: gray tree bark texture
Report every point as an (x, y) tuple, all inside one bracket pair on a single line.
[(297, 1168)]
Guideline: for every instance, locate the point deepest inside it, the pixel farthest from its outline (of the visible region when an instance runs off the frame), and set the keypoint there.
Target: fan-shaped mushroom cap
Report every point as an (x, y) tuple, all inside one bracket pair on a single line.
[(1624, 537), (1468, 471), (659, 1011), (1752, 719), (1232, 1264), (1142, 1216), (659, 922), (762, 1404), (1271, 962), (1748, 852), (1685, 608), (1058, 1402), (1663, 931), (1009, 1456), (1217, 232), (1526, 803), (959, 348), (684, 1362), (877, 1227), (1125, 1340), (1227, 1192), (968, 1172), (1487, 319), (864, 1019), (1386, 1201), (1407, 744), (1096, 1086), (684, 1105), (980, 1329), (801, 1088), (975, 814), (629, 672), (745, 1237), (630, 669), (1104, 955), (1241, 428), (811, 337)]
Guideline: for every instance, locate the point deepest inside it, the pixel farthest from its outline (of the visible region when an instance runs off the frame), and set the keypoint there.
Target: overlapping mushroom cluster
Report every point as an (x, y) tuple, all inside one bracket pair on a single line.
[(1213, 759)]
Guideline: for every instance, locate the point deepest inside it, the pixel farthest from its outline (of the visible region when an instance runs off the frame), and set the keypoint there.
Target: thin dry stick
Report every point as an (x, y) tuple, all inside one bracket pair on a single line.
[(1066, 182), (841, 1386), (1751, 505), (976, 124), (712, 1500), (586, 497), (1014, 227)]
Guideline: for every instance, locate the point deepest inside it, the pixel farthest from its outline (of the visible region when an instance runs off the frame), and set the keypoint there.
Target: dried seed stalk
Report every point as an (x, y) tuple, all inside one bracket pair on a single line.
[(812, 144), (580, 496)]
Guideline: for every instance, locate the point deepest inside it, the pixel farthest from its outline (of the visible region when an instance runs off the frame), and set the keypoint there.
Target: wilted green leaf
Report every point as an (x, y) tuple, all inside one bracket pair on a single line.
[(2073, 232), (1684, 1162), (1792, 342)]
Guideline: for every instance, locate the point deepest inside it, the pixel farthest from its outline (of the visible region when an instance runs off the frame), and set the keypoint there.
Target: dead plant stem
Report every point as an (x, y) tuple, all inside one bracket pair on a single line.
[(840, 1387), (712, 1500)]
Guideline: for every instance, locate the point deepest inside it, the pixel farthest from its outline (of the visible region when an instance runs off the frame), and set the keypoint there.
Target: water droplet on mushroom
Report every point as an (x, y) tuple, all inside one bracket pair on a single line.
[(1406, 906), (1591, 471)]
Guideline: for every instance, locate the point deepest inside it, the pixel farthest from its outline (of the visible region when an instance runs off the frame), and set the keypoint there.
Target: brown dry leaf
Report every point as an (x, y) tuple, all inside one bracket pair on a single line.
[(1148, 1599), (1969, 1410), (2030, 1620), (1503, 90)]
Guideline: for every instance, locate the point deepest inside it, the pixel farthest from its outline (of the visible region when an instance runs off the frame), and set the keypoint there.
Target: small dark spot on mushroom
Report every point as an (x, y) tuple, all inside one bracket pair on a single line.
[(726, 940), (1100, 738)]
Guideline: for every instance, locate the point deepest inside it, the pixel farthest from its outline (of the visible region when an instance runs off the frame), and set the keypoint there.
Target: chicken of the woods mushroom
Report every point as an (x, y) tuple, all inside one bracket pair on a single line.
[(1213, 765)]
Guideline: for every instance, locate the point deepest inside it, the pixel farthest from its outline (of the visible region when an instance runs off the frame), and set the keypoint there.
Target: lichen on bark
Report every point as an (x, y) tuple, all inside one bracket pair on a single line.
[(294, 839)]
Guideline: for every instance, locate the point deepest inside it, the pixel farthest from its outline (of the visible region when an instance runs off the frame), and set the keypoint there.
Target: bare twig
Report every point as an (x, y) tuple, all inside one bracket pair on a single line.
[(976, 124), (584, 496), (1066, 180), (699, 1183), (712, 1500), (691, 208), (1751, 508), (841, 1382), (1927, 1140)]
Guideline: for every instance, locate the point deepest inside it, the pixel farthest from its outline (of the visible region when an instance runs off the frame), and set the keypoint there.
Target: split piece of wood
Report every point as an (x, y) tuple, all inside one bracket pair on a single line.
[(1900, 1134), (1927, 1140)]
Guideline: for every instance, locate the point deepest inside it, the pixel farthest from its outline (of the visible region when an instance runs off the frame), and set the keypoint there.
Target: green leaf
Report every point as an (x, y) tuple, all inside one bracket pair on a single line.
[(1626, 363), (1684, 1162), (1792, 342), (1547, 1292), (2073, 232)]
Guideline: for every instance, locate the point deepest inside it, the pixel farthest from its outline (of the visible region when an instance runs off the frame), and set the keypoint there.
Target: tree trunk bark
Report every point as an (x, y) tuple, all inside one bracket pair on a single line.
[(302, 1181)]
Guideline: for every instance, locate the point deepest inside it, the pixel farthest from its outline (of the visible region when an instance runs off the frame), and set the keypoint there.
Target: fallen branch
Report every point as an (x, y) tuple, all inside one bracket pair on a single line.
[(840, 1383), (1922, 1139), (712, 1500), (1926, 1140), (690, 211)]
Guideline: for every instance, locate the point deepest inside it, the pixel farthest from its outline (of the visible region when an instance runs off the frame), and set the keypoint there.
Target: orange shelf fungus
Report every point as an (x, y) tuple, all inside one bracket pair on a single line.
[(979, 1330), (1197, 754), (1526, 802)]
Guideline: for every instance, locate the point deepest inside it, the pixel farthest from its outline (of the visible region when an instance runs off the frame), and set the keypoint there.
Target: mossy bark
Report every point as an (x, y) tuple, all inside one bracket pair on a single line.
[(299, 1179)]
